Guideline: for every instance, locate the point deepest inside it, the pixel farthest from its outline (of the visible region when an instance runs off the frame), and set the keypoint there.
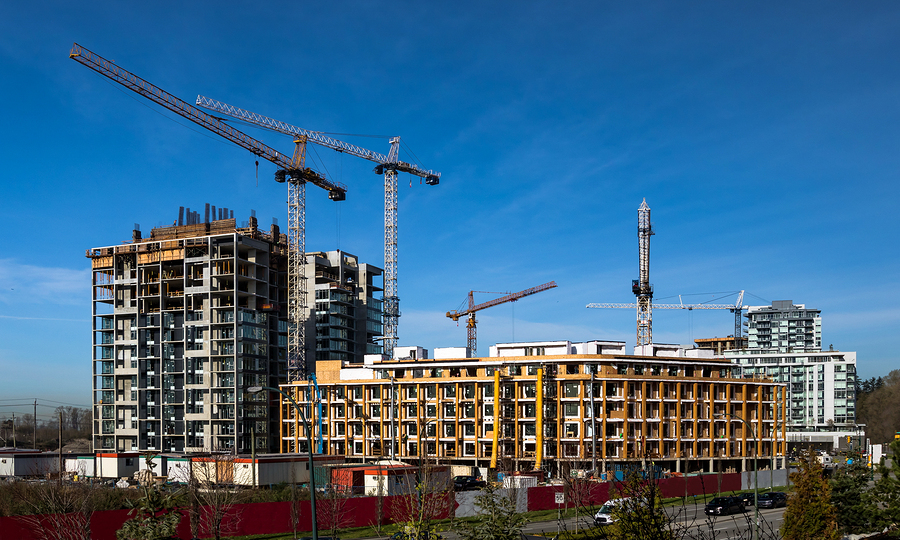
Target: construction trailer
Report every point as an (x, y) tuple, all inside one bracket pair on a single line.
[(262, 470), (121, 465), (16, 463)]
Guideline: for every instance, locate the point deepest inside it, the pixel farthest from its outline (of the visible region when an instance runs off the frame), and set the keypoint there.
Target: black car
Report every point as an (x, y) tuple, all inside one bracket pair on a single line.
[(775, 499), (466, 483), (721, 506), (747, 498)]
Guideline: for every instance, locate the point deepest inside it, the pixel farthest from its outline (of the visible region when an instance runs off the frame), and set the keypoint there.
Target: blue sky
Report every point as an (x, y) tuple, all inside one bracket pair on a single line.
[(764, 137)]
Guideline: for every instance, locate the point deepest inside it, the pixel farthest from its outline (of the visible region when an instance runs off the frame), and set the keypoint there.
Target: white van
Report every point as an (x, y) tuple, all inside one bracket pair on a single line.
[(604, 516)]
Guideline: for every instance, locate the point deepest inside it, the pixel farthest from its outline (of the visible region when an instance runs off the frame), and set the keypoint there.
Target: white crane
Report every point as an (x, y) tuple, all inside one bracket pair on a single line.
[(388, 165), (643, 290)]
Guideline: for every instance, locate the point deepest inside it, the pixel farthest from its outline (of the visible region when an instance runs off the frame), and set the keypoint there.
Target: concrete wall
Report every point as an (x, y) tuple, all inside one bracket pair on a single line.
[(767, 479)]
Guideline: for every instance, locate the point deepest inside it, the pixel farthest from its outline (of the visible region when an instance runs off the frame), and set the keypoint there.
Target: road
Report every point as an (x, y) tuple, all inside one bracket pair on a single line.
[(737, 526)]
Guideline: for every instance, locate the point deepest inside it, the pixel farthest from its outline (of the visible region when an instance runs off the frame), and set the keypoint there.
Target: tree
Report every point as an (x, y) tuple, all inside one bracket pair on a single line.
[(498, 519), (878, 406), (809, 514), (215, 490), (887, 490), (851, 498), (58, 511), (155, 515), (640, 513), (332, 512), (425, 499)]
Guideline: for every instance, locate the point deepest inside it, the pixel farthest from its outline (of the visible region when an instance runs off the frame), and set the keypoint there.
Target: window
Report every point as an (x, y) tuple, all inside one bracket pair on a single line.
[(531, 370), (450, 391), (449, 410), (412, 392), (621, 369), (570, 409), (515, 370), (571, 389), (375, 392), (639, 369)]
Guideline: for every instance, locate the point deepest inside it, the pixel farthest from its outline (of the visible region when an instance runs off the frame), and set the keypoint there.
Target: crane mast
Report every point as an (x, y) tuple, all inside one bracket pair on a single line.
[(388, 165), (642, 288), (472, 340), (292, 170)]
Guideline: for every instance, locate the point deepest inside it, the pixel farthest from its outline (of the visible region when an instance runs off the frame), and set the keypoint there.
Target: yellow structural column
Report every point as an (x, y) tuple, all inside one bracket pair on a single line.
[(495, 442), (746, 392), (539, 419)]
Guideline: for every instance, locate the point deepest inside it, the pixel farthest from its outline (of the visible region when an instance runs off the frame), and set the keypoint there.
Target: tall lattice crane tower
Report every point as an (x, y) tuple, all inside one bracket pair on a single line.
[(291, 170), (642, 288), (388, 165)]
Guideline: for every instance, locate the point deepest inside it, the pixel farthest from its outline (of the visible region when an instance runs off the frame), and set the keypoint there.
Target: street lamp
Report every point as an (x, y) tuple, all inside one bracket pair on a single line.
[(308, 427), (755, 472)]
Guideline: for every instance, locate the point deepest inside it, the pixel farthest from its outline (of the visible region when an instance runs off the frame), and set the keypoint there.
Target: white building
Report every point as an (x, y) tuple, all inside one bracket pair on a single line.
[(820, 386), (784, 327)]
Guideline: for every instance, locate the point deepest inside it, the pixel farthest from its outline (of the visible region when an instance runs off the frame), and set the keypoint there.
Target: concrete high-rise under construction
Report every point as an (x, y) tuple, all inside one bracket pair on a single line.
[(185, 320)]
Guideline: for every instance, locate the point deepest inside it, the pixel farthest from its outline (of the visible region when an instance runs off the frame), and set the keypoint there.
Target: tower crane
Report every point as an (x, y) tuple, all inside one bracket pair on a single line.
[(388, 165), (643, 290), (736, 308), (472, 341), (292, 170)]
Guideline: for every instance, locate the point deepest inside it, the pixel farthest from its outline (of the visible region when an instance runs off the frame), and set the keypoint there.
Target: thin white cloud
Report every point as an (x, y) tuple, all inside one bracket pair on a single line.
[(25, 284)]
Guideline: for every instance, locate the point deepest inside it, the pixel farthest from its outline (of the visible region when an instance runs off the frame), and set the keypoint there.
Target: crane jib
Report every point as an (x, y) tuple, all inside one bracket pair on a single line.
[(156, 94)]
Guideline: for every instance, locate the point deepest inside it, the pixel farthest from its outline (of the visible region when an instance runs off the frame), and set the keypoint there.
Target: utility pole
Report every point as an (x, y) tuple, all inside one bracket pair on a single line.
[(59, 458), (34, 433), (14, 430)]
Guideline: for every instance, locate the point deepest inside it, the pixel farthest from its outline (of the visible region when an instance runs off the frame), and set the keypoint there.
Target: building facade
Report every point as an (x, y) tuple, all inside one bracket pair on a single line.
[(785, 343), (348, 307), (183, 321), (548, 405), (784, 327), (820, 386)]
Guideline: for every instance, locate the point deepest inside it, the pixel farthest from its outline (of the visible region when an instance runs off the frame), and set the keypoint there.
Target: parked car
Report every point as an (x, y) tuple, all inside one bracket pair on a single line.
[(747, 498), (721, 506), (774, 499), (466, 483)]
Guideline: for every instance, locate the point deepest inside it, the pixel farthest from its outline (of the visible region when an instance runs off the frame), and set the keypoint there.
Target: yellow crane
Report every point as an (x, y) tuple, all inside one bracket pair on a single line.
[(472, 342)]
